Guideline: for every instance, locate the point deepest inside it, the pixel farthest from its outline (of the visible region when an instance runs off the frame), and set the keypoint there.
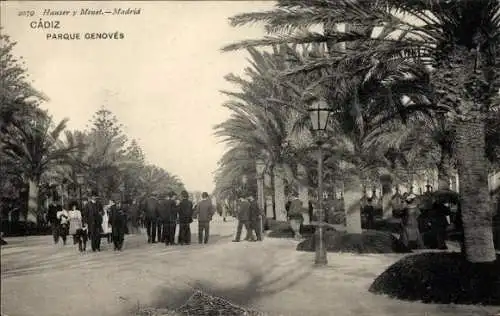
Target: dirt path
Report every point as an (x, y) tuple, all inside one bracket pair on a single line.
[(41, 279)]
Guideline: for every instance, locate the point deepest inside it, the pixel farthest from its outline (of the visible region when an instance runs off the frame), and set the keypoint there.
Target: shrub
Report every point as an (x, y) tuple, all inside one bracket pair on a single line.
[(441, 278), (369, 241)]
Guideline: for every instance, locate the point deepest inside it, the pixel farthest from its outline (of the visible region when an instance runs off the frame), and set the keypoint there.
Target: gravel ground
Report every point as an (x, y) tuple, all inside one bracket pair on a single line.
[(39, 278)]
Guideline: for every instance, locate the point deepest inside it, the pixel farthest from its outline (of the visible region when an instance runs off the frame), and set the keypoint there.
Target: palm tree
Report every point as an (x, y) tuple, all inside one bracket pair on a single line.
[(34, 148), (255, 123), (456, 38)]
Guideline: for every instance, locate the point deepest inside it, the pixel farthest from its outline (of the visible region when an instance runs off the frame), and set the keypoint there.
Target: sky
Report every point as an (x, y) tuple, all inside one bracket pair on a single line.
[(162, 80)]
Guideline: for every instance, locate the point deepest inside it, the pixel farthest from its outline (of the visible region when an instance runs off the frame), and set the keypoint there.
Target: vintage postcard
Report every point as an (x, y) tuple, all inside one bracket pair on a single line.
[(314, 157)]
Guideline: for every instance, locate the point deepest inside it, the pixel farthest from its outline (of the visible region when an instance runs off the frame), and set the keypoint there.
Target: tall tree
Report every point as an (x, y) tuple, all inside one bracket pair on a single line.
[(33, 148), (459, 39)]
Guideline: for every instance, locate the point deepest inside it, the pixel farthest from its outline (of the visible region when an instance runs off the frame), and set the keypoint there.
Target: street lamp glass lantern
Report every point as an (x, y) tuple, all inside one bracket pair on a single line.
[(319, 113)]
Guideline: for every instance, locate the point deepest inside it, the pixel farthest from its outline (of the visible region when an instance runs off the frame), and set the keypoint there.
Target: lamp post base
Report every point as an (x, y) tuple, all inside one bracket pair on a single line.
[(321, 255)]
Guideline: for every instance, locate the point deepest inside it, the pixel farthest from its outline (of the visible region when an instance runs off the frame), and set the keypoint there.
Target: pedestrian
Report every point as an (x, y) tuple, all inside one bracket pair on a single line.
[(243, 215), (52, 219), (439, 223), (410, 234), (369, 213), (118, 222), (92, 218), (185, 219), (133, 217), (295, 215), (255, 219), (63, 218), (76, 228), (225, 208), (151, 218), (204, 212), (106, 227), (171, 217)]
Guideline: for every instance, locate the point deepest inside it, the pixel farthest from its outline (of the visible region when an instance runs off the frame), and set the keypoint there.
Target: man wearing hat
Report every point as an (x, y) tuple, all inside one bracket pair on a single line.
[(185, 219), (92, 217), (170, 213), (151, 218)]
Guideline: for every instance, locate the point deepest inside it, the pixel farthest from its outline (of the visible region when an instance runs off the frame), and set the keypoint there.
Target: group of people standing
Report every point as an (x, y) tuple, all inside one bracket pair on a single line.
[(162, 214), (249, 215), (91, 221)]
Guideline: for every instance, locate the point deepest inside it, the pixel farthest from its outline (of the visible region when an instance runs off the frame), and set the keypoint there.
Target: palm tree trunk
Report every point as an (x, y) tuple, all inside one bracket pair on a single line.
[(279, 193), (477, 215), (32, 199), (444, 170), (352, 206)]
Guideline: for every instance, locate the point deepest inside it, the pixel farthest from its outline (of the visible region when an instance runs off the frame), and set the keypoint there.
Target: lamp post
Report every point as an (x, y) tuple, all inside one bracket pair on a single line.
[(260, 166), (80, 180), (319, 113)]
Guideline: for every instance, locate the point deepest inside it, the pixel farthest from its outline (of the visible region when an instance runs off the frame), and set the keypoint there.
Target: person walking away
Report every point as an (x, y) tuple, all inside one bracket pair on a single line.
[(204, 212), (92, 218), (63, 218), (150, 216), (133, 217), (118, 222), (255, 218), (243, 215), (52, 219), (76, 228), (225, 208), (171, 219), (185, 219), (369, 213), (439, 223), (295, 215), (410, 234), (164, 205)]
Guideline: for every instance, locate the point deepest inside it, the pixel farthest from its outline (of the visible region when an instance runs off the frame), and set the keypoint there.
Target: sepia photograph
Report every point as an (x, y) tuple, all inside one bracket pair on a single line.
[(265, 158)]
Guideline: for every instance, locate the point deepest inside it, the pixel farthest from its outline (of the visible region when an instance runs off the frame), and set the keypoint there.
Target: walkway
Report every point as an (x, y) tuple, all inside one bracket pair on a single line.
[(41, 279)]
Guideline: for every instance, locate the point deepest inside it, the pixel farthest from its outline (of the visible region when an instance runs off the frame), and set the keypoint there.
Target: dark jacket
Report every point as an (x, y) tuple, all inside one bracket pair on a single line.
[(92, 217), (133, 212), (255, 212), (186, 212), (295, 208), (151, 208), (167, 210), (244, 211), (204, 211), (52, 213), (117, 219)]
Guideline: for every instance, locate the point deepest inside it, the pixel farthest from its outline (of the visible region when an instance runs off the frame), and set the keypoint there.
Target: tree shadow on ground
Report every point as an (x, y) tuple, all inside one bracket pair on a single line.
[(260, 284)]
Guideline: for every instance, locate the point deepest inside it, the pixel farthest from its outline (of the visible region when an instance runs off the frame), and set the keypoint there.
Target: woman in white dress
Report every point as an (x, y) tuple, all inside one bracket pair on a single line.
[(106, 227), (76, 227)]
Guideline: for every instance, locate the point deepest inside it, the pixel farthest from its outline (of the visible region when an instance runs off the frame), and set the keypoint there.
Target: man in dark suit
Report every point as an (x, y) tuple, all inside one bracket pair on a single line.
[(151, 218), (204, 211), (243, 215), (52, 219), (92, 217), (185, 219), (255, 219), (172, 218)]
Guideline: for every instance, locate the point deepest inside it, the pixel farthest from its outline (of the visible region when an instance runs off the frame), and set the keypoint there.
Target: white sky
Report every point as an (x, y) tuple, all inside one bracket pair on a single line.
[(162, 81)]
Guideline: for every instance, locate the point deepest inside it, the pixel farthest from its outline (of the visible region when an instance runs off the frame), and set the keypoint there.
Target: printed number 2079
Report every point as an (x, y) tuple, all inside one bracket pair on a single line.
[(28, 13)]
